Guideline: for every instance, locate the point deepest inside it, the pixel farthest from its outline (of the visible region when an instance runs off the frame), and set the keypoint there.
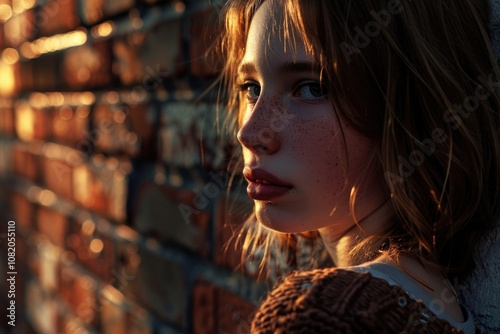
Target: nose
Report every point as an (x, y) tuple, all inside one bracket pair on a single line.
[(259, 132)]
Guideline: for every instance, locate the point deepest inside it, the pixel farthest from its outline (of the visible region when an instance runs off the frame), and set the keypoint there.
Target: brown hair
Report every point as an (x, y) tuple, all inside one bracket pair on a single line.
[(426, 75)]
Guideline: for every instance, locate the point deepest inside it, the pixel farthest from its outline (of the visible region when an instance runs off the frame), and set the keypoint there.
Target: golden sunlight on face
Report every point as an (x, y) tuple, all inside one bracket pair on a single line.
[(293, 148)]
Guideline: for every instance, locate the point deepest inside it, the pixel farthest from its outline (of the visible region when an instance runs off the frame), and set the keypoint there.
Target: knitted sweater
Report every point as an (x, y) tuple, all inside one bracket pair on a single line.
[(343, 301)]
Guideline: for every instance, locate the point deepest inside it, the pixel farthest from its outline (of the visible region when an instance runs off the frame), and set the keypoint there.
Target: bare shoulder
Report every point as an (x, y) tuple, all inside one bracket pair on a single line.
[(342, 301)]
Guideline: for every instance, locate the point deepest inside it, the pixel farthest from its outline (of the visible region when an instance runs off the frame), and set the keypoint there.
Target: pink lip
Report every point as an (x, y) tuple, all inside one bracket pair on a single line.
[(264, 186)]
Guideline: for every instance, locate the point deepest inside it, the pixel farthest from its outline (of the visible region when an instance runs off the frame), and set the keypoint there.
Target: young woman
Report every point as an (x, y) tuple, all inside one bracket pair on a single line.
[(376, 125)]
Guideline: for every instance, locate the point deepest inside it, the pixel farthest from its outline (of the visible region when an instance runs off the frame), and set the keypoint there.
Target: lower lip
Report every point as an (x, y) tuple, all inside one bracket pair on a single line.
[(265, 192)]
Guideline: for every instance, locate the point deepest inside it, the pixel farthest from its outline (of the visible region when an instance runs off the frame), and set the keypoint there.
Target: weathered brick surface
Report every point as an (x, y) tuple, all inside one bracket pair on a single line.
[(162, 289), (231, 214), (69, 126), (53, 225), (56, 17), (218, 311), (203, 32), (7, 120), (167, 214), (92, 248), (119, 316), (190, 135), (114, 162), (23, 210), (57, 175), (204, 304), (79, 291), (88, 66), (41, 310), (26, 162)]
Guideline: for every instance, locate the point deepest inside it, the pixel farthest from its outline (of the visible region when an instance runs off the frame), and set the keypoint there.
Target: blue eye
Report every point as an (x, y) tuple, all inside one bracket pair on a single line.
[(251, 91), (311, 91)]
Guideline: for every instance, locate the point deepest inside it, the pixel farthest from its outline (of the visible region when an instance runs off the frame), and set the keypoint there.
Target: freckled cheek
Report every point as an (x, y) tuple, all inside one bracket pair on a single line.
[(318, 146)]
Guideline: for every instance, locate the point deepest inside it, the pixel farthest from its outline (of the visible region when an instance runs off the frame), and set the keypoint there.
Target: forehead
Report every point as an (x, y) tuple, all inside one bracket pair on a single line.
[(269, 42)]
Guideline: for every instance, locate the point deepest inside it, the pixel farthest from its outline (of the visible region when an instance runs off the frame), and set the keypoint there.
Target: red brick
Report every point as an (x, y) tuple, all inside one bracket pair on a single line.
[(218, 311), (91, 11), (141, 60), (55, 17), (112, 8), (69, 126), (53, 225), (143, 124), (79, 291), (58, 176), (169, 214), (25, 121), (42, 124), (204, 32), (47, 72), (62, 128), (23, 210), (82, 184), (231, 213), (92, 249), (153, 282), (234, 314), (20, 28), (67, 323), (190, 135), (139, 320), (112, 312), (26, 162), (48, 257), (101, 186), (124, 129), (26, 77), (7, 121), (41, 309), (121, 316), (80, 137), (204, 308), (88, 66)]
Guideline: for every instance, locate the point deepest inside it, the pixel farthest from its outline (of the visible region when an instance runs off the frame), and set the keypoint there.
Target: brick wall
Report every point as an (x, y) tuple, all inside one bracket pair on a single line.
[(113, 172)]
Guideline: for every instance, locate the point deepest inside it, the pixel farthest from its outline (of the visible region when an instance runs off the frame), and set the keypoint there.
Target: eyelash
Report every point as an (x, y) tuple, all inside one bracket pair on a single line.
[(245, 88), (323, 90)]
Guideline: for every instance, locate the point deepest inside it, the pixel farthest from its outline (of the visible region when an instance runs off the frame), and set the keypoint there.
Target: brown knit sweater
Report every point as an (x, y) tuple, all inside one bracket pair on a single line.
[(343, 301)]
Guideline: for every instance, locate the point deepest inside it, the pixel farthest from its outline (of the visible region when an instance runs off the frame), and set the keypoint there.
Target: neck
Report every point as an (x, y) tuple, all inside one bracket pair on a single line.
[(340, 245)]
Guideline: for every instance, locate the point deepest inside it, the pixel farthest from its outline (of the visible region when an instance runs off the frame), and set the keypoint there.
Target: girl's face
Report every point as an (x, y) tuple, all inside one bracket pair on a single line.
[(299, 173)]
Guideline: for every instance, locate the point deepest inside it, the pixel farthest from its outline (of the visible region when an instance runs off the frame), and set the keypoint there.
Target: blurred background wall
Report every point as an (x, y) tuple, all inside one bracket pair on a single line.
[(113, 172)]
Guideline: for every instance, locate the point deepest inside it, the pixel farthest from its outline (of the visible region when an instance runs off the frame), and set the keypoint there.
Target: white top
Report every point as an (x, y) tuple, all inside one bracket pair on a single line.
[(394, 276)]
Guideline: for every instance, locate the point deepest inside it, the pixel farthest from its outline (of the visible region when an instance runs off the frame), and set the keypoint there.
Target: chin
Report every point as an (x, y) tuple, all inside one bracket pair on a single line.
[(281, 221)]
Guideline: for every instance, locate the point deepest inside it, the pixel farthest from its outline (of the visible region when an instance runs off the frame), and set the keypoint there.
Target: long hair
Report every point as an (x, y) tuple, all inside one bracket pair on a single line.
[(420, 79)]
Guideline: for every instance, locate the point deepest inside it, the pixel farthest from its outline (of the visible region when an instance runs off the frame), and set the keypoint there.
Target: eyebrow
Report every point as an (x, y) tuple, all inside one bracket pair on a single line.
[(286, 67)]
